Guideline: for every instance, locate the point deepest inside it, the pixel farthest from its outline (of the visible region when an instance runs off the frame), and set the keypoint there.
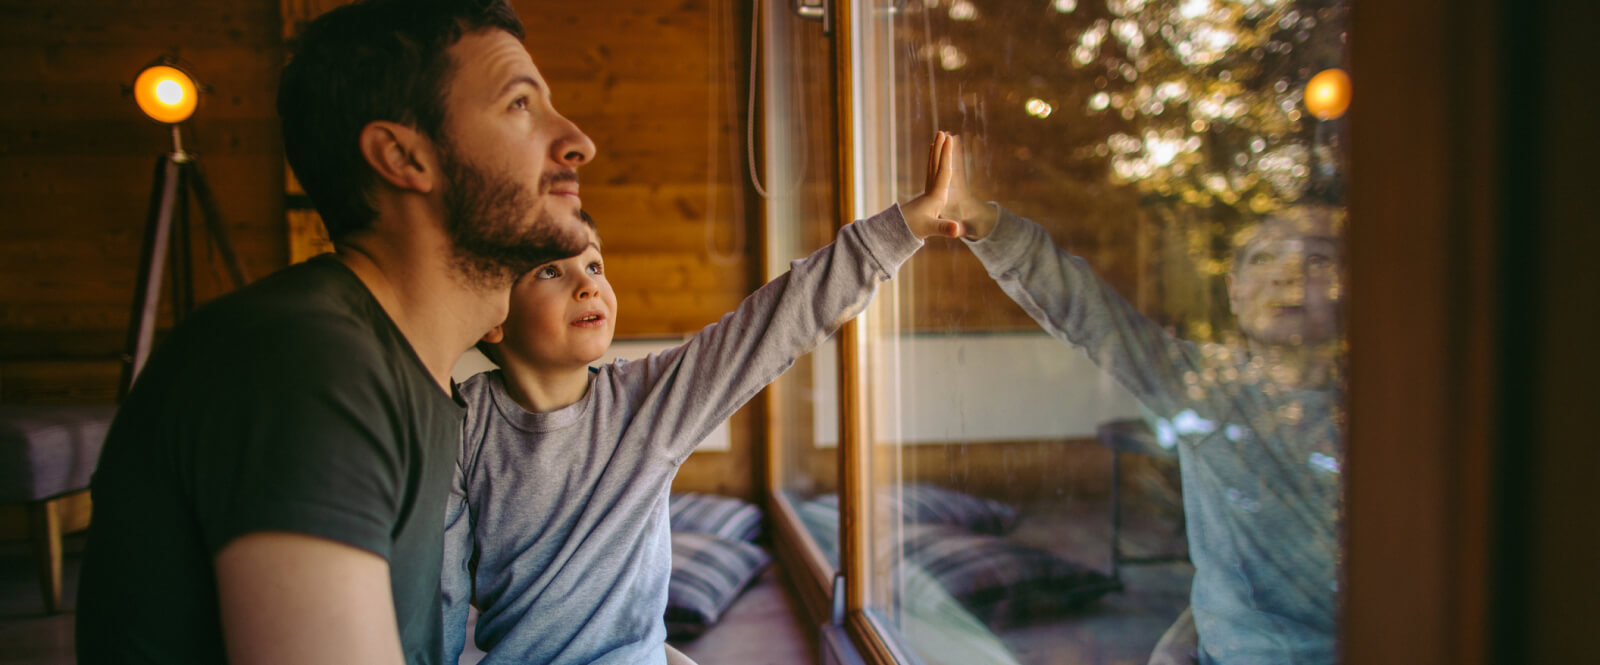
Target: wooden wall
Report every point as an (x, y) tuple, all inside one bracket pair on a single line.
[(659, 87), (76, 160)]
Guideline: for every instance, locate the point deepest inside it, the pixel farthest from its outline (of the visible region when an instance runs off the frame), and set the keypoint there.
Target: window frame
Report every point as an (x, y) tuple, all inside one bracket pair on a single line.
[(1425, 328)]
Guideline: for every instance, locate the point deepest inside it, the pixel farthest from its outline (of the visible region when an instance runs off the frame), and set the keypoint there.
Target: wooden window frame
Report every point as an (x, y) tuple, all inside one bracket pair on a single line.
[(1428, 200)]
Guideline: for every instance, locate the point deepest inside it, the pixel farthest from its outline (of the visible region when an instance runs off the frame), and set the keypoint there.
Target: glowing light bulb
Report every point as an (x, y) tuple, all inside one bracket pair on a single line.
[(170, 92), (1328, 94), (166, 94)]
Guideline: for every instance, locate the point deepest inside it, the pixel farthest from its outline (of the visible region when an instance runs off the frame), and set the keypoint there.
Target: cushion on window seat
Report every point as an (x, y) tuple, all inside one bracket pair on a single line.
[(926, 503), (708, 573), (721, 516), (1002, 582)]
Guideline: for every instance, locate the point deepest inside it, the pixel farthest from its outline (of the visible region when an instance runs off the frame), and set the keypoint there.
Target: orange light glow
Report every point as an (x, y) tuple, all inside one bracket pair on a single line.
[(166, 94), (1328, 94)]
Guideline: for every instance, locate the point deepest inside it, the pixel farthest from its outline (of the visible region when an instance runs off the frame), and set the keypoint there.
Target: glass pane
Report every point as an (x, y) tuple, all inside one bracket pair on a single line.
[(802, 205), (1133, 428)]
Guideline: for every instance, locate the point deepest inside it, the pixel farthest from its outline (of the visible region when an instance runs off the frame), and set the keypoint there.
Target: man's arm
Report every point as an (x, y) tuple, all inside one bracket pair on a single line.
[(290, 598)]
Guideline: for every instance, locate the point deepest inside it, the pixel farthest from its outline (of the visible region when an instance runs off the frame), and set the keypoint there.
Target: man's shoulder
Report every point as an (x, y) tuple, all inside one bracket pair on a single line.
[(319, 301), (308, 322), (320, 288)]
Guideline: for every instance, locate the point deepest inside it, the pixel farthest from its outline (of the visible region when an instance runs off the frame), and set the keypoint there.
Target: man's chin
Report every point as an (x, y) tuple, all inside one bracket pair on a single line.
[(568, 232)]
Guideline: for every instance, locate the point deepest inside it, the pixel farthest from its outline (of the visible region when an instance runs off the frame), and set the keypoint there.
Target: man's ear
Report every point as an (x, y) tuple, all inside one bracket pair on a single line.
[(400, 155), (494, 335)]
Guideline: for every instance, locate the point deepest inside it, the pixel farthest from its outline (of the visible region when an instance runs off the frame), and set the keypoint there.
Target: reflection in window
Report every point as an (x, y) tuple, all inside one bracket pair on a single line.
[(1112, 426)]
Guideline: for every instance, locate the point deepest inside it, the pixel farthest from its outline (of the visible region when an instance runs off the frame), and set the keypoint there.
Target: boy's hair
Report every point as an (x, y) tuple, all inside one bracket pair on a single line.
[(491, 350), (364, 62), (1301, 215)]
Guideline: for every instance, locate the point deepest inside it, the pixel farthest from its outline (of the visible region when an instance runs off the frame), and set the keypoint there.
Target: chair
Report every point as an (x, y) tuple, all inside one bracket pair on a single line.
[(47, 454), (1133, 436)]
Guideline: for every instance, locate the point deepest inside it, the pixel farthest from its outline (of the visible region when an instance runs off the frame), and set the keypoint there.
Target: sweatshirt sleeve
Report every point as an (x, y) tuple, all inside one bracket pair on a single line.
[(1072, 304), (690, 389)]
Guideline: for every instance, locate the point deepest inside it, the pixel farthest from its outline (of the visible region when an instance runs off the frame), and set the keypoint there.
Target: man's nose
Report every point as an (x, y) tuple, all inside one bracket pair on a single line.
[(574, 148)]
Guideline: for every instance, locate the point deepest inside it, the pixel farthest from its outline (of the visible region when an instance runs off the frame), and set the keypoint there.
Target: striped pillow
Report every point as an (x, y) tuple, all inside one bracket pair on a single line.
[(707, 575), (820, 515), (722, 516), (926, 503), (1002, 582)]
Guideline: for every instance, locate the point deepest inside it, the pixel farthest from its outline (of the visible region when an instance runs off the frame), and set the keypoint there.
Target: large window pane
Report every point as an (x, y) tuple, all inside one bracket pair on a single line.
[(1136, 423), (802, 204)]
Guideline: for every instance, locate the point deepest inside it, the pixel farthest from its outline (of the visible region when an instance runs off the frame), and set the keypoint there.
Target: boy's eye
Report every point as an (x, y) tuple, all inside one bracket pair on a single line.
[(1318, 261), (546, 272), (1261, 258), (521, 103), (596, 269)]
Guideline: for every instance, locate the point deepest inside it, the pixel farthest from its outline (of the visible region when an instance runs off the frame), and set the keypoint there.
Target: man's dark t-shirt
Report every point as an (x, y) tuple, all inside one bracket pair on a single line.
[(293, 405)]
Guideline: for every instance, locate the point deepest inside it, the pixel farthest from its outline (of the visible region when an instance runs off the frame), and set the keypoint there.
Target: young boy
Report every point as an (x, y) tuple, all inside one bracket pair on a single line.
[(561, 484), (1254, 424)]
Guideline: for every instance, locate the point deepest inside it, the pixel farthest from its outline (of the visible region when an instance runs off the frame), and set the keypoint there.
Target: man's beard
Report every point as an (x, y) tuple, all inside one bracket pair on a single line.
[(484, 215)]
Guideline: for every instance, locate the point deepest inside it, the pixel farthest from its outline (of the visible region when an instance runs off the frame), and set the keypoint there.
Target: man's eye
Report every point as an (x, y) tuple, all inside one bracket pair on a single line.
[(1318, 261), (520, 104), (1261, 259)]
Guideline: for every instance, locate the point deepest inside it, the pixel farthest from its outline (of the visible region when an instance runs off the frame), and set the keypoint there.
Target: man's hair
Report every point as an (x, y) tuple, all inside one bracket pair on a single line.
[(491, 350), (364, 62)]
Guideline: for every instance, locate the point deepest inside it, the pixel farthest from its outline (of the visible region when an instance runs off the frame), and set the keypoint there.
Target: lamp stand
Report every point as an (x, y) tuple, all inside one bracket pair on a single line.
[(177, 177)]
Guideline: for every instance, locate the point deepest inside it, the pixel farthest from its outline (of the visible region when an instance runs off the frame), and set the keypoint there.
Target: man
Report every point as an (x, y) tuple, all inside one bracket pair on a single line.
[(273, 488), (1255, 423)]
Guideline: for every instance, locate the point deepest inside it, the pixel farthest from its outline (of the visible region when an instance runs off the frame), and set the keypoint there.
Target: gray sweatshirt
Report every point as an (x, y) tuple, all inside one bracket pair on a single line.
[(1260, 462), (566, 512)]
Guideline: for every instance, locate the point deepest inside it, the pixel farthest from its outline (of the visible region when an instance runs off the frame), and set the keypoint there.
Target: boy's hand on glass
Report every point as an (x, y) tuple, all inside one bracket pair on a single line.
[(977, 215), (923, 213)]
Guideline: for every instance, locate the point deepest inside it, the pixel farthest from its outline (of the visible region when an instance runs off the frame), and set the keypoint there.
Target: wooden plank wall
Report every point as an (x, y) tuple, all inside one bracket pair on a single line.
[(76, 160), (659, 87)]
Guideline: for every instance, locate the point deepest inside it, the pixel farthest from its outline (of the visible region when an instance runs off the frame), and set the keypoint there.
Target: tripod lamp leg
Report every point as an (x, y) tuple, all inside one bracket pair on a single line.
[(152, 260)]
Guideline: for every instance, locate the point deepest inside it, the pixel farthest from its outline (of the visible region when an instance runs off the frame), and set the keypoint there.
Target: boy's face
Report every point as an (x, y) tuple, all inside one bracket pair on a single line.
[(563, 313), (1285, 287), (509, 159)]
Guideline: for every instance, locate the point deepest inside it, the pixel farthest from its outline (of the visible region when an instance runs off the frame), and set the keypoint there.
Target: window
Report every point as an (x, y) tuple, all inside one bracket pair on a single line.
[(802, 205), (1052, 466)]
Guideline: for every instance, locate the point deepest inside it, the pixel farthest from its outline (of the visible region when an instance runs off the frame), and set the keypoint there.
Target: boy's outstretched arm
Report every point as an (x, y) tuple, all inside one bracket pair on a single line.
[(685, 392), (1064, 296)]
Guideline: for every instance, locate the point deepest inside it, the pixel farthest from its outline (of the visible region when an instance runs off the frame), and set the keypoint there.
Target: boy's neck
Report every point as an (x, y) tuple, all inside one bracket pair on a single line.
[(542, 390)]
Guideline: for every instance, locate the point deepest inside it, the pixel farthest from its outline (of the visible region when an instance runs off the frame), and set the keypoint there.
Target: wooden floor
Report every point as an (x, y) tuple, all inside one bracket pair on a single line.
[(762, 627), (28, 636)]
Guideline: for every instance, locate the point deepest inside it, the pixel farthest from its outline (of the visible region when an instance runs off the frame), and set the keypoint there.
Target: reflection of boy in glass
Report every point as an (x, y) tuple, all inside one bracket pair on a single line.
[(1254, 424)]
